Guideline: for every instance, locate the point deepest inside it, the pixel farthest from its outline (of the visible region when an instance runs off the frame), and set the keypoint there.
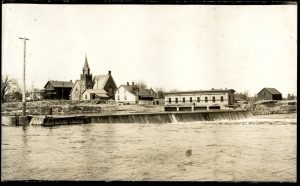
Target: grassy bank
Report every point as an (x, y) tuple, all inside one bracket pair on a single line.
[(65, 107)]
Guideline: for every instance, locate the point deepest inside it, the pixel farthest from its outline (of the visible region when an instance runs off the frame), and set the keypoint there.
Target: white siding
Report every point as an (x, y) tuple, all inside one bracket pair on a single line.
[(75, 94), (86, 96), (123, 96), (217, 95)]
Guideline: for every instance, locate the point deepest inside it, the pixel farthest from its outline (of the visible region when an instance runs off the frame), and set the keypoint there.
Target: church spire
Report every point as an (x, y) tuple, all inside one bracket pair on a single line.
[(86, 62), (86, 68)]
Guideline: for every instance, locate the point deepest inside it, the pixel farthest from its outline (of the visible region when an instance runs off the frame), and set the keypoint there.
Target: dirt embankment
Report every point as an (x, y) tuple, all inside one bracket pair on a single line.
[(266, 109), (66, 107)]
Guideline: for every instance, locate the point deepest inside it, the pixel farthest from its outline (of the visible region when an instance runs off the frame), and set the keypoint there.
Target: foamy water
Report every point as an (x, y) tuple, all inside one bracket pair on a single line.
[(256, 149)]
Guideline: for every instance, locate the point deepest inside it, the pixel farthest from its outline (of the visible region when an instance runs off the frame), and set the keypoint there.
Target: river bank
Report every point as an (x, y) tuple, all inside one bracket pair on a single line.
[(67, 107)]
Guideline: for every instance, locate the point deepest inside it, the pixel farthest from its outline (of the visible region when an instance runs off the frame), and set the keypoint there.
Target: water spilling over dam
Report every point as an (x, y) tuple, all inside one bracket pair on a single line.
[(151, 118)]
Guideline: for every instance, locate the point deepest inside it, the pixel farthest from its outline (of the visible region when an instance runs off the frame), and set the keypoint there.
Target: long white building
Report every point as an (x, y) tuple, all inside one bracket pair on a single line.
[(199, 100)]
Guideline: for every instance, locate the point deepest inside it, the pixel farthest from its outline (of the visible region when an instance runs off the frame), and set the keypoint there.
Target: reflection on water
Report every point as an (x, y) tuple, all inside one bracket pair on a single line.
[(245, 150)]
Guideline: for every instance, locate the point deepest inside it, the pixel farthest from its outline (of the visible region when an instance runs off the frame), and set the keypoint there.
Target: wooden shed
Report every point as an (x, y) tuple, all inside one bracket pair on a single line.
[(269, 94)]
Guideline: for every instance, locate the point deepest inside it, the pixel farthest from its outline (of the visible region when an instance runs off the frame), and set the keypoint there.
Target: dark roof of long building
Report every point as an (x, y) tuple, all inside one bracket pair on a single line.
[(65, 84), (201, 91), (271, 90)]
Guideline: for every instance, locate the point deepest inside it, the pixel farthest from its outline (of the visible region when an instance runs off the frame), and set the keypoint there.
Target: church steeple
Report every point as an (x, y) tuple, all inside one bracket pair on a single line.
[(86, 62), (86, 78), (86, 68)]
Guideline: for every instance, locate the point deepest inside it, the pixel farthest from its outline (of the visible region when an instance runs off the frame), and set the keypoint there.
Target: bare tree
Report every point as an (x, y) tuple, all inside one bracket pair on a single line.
[(7, 85), (160, 93), (141, 84)]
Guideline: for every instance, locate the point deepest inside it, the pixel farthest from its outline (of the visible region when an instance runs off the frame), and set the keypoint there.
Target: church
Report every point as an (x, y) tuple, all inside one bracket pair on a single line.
[(97, 87)]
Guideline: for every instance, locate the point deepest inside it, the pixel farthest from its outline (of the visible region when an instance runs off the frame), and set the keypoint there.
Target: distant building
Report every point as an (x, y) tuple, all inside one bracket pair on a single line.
[(58, 89), (199, 100), (97, 87), (133, 94), (269, 94)]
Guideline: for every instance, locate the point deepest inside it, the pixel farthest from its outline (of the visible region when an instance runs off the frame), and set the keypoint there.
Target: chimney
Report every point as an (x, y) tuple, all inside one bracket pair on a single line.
[(127, 83), (71, 80), (109, 72), (132, 83)]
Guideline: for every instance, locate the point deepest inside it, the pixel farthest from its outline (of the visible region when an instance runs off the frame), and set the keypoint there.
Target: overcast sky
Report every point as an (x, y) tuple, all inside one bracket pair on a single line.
[(183, 47)]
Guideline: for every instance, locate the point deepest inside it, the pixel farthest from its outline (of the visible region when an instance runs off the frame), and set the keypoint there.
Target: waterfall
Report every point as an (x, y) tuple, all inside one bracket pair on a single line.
[(173, 118), (37, 121), (149, 118)]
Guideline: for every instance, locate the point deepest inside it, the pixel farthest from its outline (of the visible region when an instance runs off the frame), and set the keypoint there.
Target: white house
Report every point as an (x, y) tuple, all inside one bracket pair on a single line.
[(199, 100), (133, 94)]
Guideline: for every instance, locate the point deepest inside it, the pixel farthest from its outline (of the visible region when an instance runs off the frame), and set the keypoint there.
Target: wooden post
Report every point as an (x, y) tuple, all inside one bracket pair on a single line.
[(24, 88)]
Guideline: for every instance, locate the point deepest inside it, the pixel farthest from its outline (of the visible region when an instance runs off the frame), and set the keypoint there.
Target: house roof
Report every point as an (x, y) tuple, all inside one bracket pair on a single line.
[(271, 90), (65, 84), (101, 80), (136, 90), (96, 91), (201, 91)]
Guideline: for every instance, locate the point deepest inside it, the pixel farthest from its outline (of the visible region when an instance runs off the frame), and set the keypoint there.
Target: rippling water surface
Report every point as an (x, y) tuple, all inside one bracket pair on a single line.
[(257, 149)]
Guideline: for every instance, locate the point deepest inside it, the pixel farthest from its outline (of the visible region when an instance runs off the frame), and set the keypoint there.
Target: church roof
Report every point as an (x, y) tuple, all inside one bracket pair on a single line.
[(100, 81)]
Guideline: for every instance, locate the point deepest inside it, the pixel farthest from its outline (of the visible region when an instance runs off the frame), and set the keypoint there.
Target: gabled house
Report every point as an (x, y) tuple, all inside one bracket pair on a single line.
[(133, 94), (58, 89), (269, 94)]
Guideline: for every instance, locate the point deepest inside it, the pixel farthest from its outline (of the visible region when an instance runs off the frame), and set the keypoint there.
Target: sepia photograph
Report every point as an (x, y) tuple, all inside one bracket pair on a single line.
[(149, 92)]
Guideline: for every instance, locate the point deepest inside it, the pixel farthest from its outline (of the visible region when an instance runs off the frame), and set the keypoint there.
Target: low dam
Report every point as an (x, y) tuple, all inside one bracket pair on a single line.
[(151, 118)]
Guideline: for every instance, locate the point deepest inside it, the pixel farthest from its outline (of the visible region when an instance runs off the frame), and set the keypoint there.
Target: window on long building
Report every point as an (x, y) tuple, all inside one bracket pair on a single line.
[(183, 100), (214, 99), (206, 99), (198, 99), (222, 98), (191, 99), (170, 100), (176, 100)]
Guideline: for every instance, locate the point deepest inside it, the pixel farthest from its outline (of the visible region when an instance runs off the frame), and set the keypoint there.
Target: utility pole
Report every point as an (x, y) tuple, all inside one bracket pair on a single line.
[(24, 88)]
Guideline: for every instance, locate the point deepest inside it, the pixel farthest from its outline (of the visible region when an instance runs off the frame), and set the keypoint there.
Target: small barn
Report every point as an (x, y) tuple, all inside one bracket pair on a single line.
[(269, 94), (58, 89)]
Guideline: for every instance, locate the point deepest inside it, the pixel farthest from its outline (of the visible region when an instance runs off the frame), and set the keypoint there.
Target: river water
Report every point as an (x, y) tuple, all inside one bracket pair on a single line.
[(256, 149)]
